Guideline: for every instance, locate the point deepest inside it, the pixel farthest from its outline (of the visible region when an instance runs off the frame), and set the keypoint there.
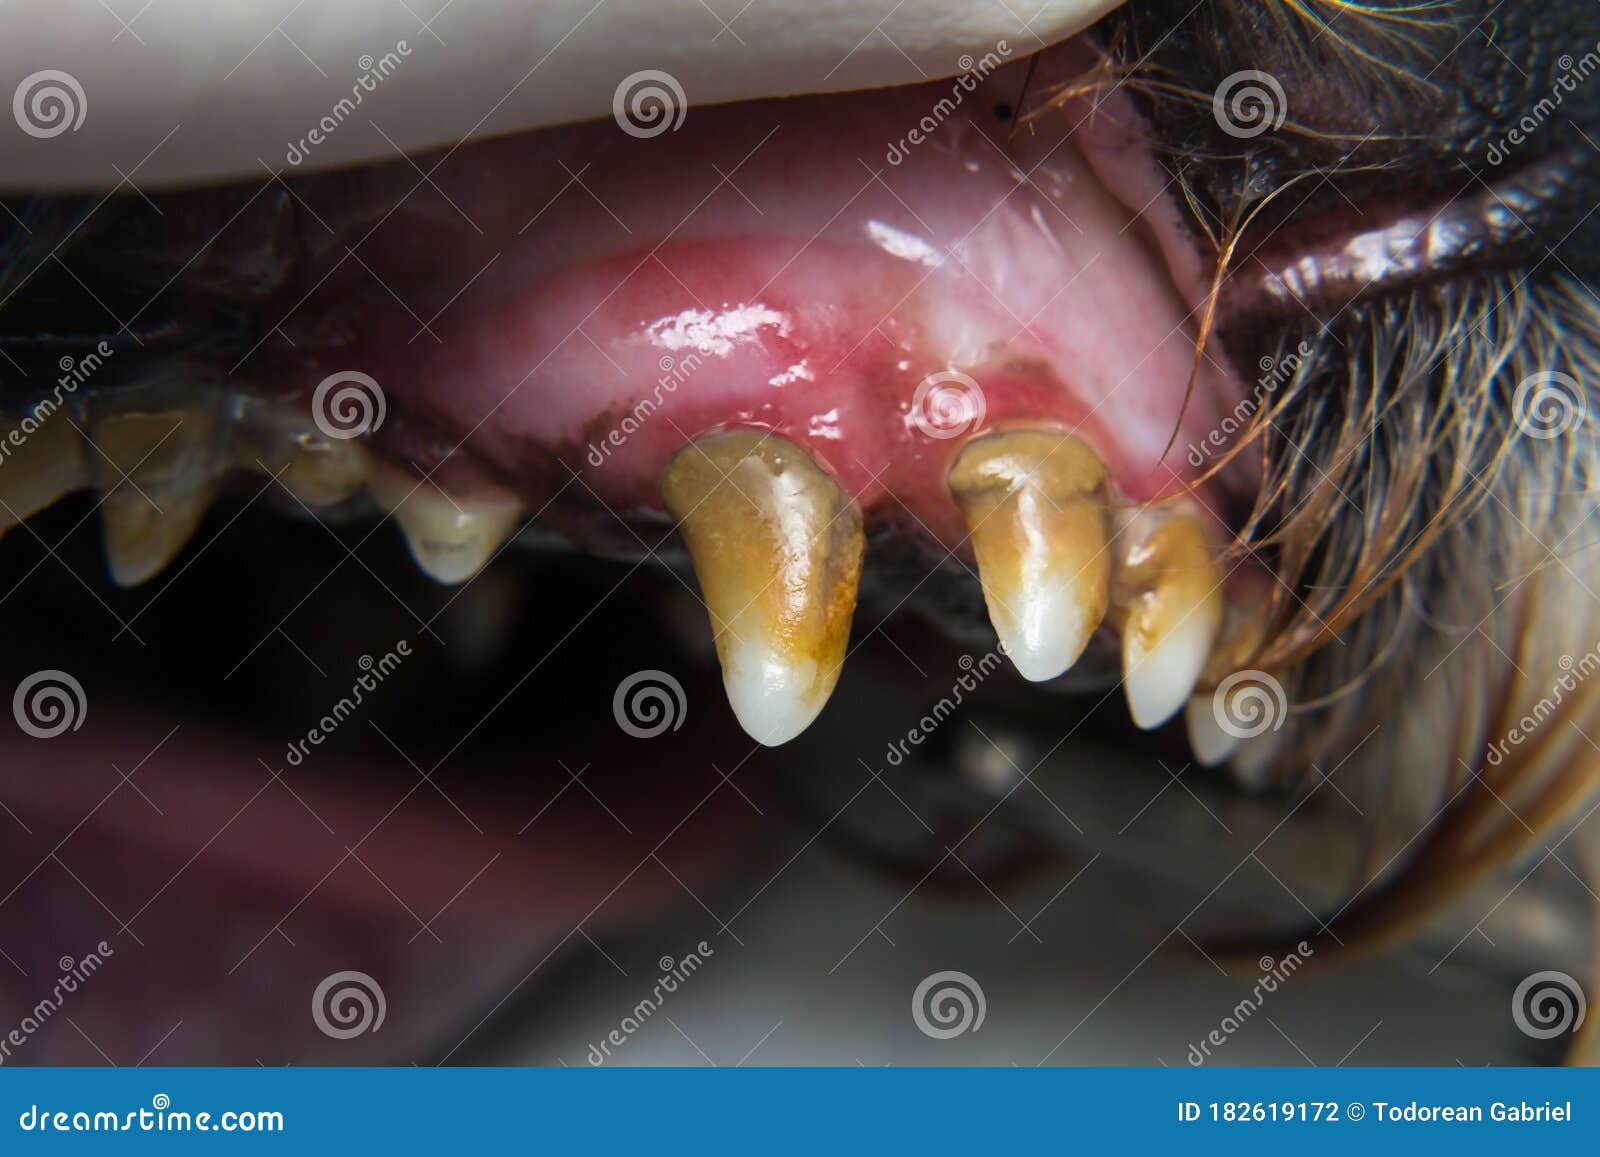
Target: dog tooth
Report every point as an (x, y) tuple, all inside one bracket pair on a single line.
[(1034, 505), (158, 471), (140, 540), (777, 547), (1169, 602), (1252, 764), (47, 465), (451, 539), (285, 442), (1210, 743)]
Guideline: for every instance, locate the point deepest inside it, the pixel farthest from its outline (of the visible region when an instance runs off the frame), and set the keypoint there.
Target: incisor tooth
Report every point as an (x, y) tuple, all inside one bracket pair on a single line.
[(450, 539), (1252, 763), (159, 473), (1034, 505), (139, 539), (46, 466), (777, 548), (1169, 600), (1210, 743)]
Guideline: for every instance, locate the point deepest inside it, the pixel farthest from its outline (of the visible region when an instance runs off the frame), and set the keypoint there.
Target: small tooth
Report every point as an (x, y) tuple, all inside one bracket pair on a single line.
[(171, 478), (450, 538), (46, 466), (139, 539), (316, 469), (1252, 763), (1034, 505), (777, 547), (1169, 601), (1210, 743), (1238, 642)]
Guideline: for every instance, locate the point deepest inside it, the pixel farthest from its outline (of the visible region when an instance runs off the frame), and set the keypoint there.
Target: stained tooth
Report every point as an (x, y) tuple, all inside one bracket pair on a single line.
[(777, 548), (1034, 505), (46, 466), (1169, 601), (316, 469), (158, 469), (1210, 743), (139, 539), (450, 538)]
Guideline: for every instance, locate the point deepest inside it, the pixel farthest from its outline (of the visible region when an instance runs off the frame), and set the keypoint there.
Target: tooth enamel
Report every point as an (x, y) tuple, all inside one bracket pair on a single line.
[(316, 469), (47, 466), (450, 538), (171, 473), (1210, 743), (140, 540), (1034, 505), (1169, 601), (777, 548)]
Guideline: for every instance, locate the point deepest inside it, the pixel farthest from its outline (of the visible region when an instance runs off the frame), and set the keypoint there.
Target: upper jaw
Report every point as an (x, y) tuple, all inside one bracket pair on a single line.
[(939, 284)]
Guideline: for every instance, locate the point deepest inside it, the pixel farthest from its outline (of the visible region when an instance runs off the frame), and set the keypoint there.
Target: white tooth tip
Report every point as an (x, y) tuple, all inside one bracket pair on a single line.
[(1210, 743), (453, 564), (774, 698), (1158, 682), (1053, 634), (129, 571)]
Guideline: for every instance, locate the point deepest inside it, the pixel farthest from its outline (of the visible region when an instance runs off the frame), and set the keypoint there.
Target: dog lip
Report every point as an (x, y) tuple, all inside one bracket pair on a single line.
[(1395, 243)]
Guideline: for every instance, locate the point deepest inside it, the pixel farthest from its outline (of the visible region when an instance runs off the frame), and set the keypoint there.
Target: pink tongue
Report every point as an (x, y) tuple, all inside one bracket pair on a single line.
[(872, 275)]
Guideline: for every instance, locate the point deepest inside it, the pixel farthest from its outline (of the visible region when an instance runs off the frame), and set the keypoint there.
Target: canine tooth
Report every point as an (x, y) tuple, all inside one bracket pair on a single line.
[(158, 470), (777, 548), (47, 466), (450, 539), (1169, 596), (1034, 505), (1210, 743)]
